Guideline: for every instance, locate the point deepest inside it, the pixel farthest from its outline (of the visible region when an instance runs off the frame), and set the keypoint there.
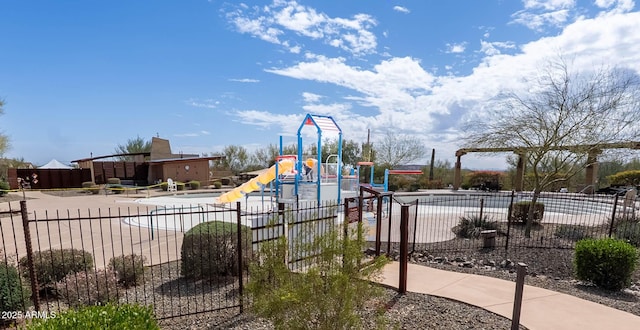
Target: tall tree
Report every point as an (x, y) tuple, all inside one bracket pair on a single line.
[(4, 140), (135, 145), (560, 119), (235, 159), (397, 149)]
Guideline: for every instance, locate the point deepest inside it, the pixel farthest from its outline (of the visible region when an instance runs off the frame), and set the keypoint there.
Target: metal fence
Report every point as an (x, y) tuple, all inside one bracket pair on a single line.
[(432, 223), (158, 236), (455, 221)]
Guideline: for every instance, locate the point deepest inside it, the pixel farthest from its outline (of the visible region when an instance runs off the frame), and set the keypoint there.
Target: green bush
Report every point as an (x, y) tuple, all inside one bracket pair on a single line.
[(629, 231), (335, 286), (106, 317), (88, 288), (129, 269), (53, 265), (217, 184), (572, 232), (164, 186), (4, 187), (210, 249), (180, 185), (608, 263), (113, 181), (520, 211), (15, 295), (193, 184), (470, 227), (625, 178), (91, 187), (116, 189)]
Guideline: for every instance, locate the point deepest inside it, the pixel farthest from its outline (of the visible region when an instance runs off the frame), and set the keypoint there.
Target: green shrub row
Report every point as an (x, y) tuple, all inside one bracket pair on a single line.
[(71, 274), (106, 317)]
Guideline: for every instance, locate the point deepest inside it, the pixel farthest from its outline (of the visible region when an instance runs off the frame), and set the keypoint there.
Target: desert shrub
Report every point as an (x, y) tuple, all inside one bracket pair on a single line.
[(210, 249), (217, 184), (91, 187), (625, 178), (4, 187), (335, 285), (53, 265), (89, 287), (129, 269), (114, 181), (572, 232), (470, 227), (180, 185), (520, 211), (116, 189), (193, 184), (164, 186), (15, 295), (608, 263), (629, 231), (107, 317)]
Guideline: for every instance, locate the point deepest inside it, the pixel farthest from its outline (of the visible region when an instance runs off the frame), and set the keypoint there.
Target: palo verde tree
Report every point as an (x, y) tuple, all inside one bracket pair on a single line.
[(563, 117), (132, 146)]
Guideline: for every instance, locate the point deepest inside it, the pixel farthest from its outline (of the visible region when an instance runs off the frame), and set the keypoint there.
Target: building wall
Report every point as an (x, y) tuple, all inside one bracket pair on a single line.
[(185, 171)]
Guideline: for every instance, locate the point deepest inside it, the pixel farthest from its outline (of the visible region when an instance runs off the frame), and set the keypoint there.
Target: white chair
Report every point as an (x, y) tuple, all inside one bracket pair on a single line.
[(171, 185)]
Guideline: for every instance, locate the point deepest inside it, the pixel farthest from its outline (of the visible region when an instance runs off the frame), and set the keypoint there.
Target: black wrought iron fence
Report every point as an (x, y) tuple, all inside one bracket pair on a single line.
[(177, 259), (456, 221), (194, 259)]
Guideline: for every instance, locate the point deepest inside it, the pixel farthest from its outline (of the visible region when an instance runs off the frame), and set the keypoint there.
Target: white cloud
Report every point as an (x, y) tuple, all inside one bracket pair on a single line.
[(549, 5), (311, 97), (397, 93), (615, 6), (456, 48), (493, 48), (245, 80), (208, 103), (282, 21), (538, 21), (401, 9)]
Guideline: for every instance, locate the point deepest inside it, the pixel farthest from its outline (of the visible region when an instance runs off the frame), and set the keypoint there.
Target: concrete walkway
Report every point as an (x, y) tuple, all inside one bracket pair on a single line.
[(541, 309)]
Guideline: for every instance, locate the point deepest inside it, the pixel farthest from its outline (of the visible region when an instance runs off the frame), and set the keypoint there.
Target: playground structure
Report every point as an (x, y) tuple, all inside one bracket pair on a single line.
[(385, 184), (295, 178)]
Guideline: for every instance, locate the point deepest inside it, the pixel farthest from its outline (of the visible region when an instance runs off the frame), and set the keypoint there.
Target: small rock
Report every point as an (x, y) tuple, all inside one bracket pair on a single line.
[(467, 264)]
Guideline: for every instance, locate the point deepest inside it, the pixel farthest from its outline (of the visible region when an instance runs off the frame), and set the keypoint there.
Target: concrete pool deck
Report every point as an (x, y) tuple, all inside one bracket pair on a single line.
[(542, 309)]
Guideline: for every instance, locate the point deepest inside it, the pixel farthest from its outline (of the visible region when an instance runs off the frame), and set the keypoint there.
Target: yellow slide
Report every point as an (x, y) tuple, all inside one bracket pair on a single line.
[(251, 185)]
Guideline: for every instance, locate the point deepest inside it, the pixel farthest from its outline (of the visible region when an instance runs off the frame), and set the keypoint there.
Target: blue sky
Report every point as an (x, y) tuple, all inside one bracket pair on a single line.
[(80, 77)]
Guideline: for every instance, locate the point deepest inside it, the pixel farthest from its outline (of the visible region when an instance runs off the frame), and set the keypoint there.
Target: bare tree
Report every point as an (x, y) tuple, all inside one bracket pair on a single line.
[(395, 149), (4, 140), (563, 118)]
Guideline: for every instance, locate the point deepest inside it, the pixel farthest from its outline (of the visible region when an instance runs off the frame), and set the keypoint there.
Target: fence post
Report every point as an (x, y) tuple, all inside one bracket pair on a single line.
[(241, 255), (35, 297), (613, 215), (404, 255), (481, 207), (517, 302), (509, 209), (379, 225)]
